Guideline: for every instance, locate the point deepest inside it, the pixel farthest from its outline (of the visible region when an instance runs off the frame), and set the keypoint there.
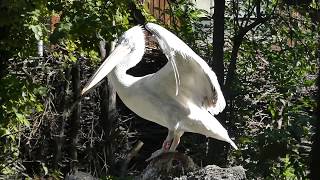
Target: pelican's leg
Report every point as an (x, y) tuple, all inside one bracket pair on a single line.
[(165, 145), (168, 141), (173, 147), (176, 141)]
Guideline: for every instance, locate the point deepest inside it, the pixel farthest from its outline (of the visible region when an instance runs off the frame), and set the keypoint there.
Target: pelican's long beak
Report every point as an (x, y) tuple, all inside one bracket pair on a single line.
[(117, 55)]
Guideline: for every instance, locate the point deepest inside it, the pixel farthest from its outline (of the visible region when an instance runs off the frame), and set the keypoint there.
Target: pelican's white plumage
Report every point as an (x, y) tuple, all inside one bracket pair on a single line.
[(179, 96)]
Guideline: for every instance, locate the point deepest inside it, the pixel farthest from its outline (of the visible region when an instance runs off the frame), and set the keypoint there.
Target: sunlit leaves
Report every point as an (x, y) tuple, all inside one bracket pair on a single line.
[(36, 29), (188, 23), (276, 72), (18, 101), (84, 23)]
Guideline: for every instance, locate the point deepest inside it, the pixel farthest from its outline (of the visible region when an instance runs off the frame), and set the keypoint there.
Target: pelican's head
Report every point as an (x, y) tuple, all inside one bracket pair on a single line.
[(133, 38), (129, 49)]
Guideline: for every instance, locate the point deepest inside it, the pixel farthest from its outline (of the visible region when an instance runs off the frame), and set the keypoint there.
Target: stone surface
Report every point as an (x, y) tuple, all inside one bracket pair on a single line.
[(80, 176), (178, 166), (214, 172)]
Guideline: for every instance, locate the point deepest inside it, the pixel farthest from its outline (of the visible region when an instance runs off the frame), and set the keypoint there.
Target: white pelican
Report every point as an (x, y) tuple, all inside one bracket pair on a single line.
[(182, 96)]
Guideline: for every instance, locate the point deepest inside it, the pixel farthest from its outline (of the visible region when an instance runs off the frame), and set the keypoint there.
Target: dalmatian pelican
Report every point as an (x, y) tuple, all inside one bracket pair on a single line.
[(183, 96)]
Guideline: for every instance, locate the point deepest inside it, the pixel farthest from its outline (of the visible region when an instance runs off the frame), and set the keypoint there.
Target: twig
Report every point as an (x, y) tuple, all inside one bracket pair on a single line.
[(131, 154)]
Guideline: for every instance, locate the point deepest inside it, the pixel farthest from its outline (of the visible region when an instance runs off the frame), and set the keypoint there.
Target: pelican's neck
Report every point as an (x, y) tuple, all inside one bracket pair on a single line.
[(134, 41), (119, 76)]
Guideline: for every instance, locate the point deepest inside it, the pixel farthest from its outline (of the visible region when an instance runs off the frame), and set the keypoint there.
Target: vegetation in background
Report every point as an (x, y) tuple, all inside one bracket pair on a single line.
[(275, 93), (19, 95)]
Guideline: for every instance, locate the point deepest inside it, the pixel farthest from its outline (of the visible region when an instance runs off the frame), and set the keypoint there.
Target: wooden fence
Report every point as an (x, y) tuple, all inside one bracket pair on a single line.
[(159, 9)]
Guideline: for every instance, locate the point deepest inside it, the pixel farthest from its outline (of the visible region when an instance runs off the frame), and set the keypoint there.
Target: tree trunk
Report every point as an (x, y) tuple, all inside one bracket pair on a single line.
[(3, 63), (107, 109), (218, 39), (4, 54), (232, 68), (315, 156), (75, 116), (60, 138), (216, 151)]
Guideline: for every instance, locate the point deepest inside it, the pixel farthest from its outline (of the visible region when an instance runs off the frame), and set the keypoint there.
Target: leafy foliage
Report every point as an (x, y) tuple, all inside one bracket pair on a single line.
[(84, 23), (274, 96), (274, 86), (18, 96), (18, 102), (193, 25)]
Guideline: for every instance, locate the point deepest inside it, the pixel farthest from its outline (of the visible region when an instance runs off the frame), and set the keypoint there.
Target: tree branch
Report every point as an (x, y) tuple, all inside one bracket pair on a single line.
[(237, 40)]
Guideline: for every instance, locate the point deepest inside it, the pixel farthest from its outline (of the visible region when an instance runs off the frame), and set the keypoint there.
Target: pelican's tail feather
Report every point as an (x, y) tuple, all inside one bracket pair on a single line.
[(202, 122)]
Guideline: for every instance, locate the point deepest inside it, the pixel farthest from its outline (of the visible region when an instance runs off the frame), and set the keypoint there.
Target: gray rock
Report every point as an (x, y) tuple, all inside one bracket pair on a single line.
[(214, 172), (178, 166), (78, 175)]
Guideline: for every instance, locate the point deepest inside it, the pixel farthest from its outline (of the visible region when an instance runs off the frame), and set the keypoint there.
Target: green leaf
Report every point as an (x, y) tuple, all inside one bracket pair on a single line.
[(72, 58), (37, 31), (22, 119), (4, 131)]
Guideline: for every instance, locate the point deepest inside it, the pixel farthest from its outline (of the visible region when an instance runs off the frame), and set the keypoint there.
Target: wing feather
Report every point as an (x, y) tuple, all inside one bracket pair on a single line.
[(198, 82), (205, 80)]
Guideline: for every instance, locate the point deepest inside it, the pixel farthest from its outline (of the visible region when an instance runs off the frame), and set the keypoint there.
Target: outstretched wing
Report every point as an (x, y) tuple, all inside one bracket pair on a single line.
[(196, 81)]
